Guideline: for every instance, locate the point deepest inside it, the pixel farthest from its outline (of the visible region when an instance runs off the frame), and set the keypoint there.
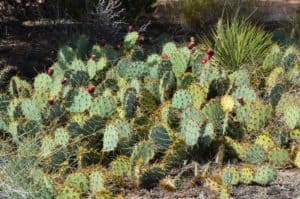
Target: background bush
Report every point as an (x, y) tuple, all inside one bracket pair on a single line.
[(197, 14)]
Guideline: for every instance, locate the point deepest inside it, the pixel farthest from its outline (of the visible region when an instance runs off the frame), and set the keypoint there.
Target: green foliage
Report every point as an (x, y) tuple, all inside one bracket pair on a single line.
[(238, 43)]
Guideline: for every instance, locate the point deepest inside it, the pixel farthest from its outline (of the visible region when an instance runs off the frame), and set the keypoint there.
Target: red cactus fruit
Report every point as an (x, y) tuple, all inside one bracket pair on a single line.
[(210, 52), (207, 57), (191, 45), (130, 28), (102, 42), (63, 80), (164, 56), (90, 89), (240, 100), (140, 39), (51, 101), (50, 71), (204, 60)]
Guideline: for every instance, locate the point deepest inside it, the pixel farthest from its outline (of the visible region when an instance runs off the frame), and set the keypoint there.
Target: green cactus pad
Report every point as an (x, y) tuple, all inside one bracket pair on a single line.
[(148, 102), (45, 187), (96, 180), (78, 101), (68, 192), (95, 66), (230, 176), (272, 59), (246, 175), (191, 131), (246, 93), (289, 109), (255, 154), (265, 175), (130, 40), (176, 154), (179, 58), (104, 107), (31, 110), (213, 113), (191, 113), (181, 99), (290, 57), (159, 135), (120, 168), (77, 78), (143, 150), (19, 88), (130, 103), (151, 176), (167, 86), (47, 146), (198, 93), (42, 82), (110, 138), (65, 55), (61, 137), (78, 180), (208, 135), (4, 103), (278, 157)]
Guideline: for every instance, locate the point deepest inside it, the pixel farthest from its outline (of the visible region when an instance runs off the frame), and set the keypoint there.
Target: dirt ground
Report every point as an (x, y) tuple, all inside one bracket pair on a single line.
[(286, 186)]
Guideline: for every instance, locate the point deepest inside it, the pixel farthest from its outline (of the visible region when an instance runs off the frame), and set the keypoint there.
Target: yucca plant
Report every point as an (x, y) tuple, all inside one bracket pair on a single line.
[(239, 42)]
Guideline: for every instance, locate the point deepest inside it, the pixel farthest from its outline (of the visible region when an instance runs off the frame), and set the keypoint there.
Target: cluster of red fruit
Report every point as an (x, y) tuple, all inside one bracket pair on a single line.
[(209, 54), (140, 39), (90, 89)]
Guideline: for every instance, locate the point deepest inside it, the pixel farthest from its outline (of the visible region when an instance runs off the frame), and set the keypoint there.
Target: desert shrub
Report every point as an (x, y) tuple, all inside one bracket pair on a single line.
[(240, 42), (198, 14)]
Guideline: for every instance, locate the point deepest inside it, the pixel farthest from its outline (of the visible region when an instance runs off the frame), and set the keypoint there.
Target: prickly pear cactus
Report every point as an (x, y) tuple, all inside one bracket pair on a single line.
[(103, 115), (160, 136), (120, 168), (78, 180), (255, 154), (246, 174), (68, 192), (230, 175), (278, 157), (265, 175), (289, 109), (96, 180), (110, 138), (179, 58)]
